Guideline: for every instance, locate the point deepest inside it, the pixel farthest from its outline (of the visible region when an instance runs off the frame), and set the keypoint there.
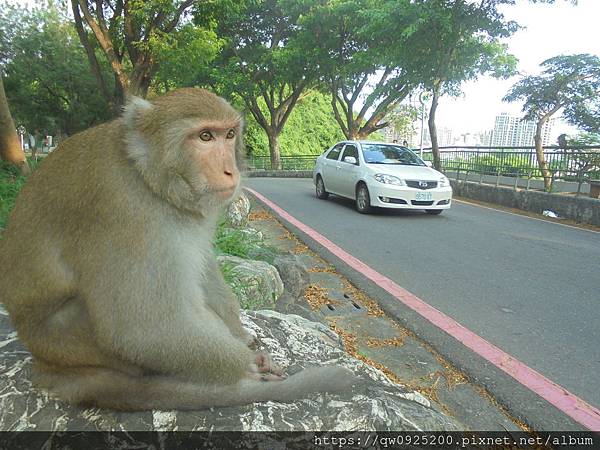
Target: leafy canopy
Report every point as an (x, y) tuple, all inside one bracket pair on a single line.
[(570, 83)]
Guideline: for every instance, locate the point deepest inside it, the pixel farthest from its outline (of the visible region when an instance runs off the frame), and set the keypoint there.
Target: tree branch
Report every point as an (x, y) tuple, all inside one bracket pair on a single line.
[(91, 55), (173, 23)]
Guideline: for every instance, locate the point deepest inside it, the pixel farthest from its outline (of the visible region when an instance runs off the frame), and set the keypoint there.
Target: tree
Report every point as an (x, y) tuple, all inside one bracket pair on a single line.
[(310, 129), (132, 35), (457, 41), (358, 46), (568, 83), (10, 147), (402, 119), (583, 161), (48, 81), (260, 62)]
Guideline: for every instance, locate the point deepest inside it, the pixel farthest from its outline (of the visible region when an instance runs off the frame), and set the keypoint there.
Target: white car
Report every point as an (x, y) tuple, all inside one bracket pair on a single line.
[(377, 174)]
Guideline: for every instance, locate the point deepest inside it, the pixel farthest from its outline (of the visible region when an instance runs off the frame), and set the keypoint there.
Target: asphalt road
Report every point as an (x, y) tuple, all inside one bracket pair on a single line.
[(530, 287)]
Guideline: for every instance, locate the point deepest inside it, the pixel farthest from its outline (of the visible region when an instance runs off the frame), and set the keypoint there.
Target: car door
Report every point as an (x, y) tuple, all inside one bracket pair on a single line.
[(348, 172), (331, 169)]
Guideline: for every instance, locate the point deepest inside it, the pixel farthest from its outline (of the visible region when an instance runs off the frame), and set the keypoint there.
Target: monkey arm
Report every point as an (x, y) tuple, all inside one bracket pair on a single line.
[(222, 301)]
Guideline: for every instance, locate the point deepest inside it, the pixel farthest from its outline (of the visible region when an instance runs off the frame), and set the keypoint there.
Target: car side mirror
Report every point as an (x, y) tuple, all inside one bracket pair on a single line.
[(428, 163), (350, 160)]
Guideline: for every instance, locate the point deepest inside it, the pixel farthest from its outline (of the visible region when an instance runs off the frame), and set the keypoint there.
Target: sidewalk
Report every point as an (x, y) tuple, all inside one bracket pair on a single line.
[(375, 338)]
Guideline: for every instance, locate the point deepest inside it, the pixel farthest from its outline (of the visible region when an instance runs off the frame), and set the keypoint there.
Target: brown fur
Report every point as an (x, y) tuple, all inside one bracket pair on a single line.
[(108, 271)]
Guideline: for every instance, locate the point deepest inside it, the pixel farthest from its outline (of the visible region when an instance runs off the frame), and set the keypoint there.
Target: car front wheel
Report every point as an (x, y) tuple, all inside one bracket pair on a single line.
[(434, 211), (320, 189), (363, 199)]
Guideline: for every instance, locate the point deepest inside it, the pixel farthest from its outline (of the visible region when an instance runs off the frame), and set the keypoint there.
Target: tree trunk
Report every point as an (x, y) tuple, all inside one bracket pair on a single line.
[(435, 149), (274, 150), (10, 146), (539, 150)]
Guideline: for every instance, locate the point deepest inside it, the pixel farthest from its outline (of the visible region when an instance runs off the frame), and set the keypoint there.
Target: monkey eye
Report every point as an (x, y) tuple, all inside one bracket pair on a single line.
[(206, 135), (231, 134)]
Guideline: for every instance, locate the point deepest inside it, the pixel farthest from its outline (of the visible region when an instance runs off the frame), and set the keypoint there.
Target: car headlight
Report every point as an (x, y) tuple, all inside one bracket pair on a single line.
[(444, 182), (389, 179)]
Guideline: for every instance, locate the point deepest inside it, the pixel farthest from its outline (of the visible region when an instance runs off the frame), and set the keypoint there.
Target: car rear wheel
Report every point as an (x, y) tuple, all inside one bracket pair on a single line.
[(435, 212), (320, 189), (363, 199)]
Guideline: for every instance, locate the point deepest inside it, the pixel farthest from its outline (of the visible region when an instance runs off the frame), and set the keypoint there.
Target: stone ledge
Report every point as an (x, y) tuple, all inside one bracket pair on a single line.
[(581, 209)]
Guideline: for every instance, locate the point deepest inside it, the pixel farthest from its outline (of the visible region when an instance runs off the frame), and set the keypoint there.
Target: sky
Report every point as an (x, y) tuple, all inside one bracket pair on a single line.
[(549, 30)]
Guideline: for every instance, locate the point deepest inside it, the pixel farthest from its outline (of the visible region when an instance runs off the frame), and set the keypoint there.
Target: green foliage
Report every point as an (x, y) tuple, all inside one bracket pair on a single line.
[(457, 41), (584, 139), (11, 182), (403, 119), (310, 129), (48, 81), (188, 47), (355, 44), (506, 165), (231, 241), (569, 83)]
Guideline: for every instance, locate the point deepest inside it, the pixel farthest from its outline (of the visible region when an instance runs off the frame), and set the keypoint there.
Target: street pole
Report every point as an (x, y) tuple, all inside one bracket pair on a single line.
[(422, 100)]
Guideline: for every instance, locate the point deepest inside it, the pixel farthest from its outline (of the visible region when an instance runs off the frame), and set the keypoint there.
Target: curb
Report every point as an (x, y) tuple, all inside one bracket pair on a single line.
[(522, 403)]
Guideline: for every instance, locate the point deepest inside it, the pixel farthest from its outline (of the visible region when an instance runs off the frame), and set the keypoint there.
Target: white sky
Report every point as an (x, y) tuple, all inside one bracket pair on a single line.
[(550, 30)]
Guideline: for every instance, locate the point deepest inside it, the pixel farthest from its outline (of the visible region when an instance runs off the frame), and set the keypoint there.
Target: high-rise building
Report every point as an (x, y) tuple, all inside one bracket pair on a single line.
[(511, 131)]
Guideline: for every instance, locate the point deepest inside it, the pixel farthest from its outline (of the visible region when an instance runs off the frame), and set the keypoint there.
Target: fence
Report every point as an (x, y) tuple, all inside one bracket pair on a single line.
[(299, 162), (573, 164)]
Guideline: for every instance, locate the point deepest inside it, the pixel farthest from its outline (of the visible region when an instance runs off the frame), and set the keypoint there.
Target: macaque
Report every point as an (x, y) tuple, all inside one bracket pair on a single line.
[(108, 273)]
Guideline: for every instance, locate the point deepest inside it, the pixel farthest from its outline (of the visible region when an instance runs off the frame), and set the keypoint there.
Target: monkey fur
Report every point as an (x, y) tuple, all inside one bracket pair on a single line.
[(109, 275)]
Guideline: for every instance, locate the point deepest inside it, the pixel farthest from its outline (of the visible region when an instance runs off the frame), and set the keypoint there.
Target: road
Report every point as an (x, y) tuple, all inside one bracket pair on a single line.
[(530, 287)]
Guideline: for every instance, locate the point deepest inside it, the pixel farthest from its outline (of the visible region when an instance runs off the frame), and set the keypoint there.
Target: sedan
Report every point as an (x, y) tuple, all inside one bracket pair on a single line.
[(377, 174)]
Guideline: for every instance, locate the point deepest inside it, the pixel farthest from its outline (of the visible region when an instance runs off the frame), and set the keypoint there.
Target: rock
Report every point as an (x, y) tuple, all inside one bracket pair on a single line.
[(238, 211), (290, 305), (293, 274), (293, 342), (256, 283)]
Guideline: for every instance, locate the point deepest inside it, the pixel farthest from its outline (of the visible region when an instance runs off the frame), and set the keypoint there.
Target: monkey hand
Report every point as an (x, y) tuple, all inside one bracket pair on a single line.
[(263, 368)]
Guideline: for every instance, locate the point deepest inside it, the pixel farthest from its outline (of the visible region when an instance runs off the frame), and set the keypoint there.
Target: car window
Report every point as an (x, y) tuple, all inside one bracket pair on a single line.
[(390, 154), (335, 152), (350, 150)]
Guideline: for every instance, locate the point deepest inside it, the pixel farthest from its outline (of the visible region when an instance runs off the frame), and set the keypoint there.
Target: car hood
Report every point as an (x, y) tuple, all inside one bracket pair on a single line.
[(406, 172)]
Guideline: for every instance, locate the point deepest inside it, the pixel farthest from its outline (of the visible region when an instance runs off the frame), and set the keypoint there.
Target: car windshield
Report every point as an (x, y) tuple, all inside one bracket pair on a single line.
[(390, 154)]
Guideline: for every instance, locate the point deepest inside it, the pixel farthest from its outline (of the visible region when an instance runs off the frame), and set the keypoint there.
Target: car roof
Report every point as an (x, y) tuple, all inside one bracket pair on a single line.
[(358, 141)]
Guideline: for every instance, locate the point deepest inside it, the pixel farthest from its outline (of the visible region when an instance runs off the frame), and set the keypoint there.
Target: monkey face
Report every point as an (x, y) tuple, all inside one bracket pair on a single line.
[(187, 146), (211, 150)]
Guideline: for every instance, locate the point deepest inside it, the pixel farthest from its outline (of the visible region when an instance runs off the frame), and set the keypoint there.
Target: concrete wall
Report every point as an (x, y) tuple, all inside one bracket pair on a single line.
[(581, 209)]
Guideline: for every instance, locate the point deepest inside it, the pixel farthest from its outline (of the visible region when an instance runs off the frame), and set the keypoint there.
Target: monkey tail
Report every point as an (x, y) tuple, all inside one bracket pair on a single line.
[(106, 388)]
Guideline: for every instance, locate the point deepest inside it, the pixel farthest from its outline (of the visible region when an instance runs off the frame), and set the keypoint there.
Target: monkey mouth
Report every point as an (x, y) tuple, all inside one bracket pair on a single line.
[(225, 193)]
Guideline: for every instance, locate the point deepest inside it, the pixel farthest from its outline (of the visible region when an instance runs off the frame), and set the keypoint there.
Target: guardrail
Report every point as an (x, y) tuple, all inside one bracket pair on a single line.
[(572, 164), (500, 165)]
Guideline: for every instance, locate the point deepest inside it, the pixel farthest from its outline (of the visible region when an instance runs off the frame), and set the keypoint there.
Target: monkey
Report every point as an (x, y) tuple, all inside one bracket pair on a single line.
[(108, 272)]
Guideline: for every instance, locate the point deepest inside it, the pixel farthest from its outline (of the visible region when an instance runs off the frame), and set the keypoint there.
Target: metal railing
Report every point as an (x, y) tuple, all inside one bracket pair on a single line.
[(516, 166), (299, 162), (519, 165)]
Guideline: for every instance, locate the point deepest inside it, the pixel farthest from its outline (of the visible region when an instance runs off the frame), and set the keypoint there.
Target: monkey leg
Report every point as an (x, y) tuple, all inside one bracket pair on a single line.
[(106, 388)]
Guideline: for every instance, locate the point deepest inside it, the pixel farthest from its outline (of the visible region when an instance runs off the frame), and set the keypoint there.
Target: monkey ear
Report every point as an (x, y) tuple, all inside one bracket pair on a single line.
[(134, 109), (133, 112)]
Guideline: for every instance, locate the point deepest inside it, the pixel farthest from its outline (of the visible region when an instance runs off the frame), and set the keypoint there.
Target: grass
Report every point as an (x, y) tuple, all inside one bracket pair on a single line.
[(235, 242), (11, 182)]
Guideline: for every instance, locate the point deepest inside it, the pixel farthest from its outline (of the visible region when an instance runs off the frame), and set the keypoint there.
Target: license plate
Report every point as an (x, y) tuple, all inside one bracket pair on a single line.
[(423, 196)]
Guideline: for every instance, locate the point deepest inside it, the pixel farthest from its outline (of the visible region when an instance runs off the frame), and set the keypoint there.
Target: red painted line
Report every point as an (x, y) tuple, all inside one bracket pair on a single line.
[(576, 408)]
